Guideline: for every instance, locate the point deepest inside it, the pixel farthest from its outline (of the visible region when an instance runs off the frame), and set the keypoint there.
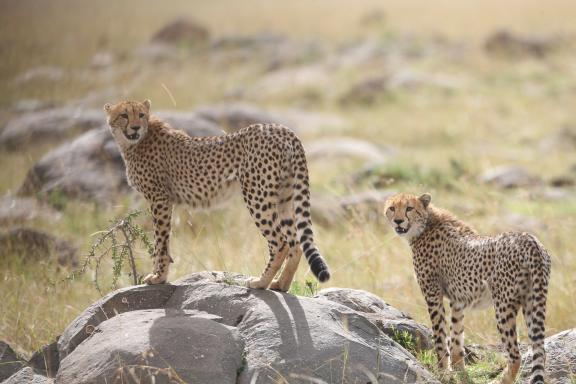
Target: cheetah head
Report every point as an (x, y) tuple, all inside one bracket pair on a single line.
[(408, 214), (128, 121)]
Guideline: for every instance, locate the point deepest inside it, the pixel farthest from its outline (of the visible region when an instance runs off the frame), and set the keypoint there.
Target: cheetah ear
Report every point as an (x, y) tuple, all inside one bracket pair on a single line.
[(107, 108), (425, 199), (147, 103)]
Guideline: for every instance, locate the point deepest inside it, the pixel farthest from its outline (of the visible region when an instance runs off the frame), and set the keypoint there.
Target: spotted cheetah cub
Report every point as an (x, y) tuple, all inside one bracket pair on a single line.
[(451, 260), (169, 167)]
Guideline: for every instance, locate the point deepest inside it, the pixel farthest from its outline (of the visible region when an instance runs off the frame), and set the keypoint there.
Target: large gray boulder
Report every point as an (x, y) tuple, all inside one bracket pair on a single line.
[(262, 336), (156, 346), (48, 124)]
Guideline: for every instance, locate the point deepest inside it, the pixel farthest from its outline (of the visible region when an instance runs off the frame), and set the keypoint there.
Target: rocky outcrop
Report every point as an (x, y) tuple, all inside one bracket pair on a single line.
[(206, 329)]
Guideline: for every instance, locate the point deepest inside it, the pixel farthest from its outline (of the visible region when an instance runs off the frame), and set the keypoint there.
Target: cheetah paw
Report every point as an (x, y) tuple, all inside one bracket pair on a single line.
[(276, 285), (255, 283), (154, 278)]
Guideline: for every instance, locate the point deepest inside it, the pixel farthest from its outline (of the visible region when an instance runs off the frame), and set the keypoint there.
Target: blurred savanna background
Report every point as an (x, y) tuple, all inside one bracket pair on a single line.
[(473, 102)]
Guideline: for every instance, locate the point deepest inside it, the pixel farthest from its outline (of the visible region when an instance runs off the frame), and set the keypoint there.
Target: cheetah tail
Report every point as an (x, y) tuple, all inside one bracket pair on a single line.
[(539, 265), (302, 214)]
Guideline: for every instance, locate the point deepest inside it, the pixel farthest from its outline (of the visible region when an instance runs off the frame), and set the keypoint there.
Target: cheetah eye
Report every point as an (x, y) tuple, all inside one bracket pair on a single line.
[(141, 115), (408, 209), (391, 209), (124, 115)]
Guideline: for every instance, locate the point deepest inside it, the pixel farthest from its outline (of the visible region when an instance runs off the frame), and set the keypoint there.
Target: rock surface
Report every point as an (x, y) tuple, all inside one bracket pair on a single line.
[(33, 245), (48, 124), (345, 147), (157, 346), (27, 376), (234, 116), (505, 43), (17, 210), (46, 360), (9, 361), (254, 336), (387, 318), (182, 31), (510, 176)]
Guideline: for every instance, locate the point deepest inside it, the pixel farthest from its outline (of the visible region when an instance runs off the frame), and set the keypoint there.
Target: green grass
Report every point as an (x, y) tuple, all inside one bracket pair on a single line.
[(442, 142)]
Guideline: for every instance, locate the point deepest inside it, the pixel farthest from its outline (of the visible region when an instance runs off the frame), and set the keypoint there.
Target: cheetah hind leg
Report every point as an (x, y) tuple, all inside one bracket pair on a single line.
[(276, 260), (506, 321), (288, 226)]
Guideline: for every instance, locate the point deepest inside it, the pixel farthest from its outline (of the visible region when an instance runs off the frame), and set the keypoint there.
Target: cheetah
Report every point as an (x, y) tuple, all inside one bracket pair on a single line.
[(510, 270), (169, 167)]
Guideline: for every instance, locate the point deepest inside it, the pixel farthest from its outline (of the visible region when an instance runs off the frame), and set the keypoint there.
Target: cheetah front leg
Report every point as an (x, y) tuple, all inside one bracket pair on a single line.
[(457, 335), (161, 215), (435, 304)]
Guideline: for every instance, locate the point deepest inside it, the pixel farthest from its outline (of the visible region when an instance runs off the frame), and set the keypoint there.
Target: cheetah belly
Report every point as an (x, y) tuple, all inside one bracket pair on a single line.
[(483, 300)]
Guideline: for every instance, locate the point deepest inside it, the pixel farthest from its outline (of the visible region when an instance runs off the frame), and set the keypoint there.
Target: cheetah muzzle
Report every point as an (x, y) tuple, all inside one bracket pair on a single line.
[(169, 167)]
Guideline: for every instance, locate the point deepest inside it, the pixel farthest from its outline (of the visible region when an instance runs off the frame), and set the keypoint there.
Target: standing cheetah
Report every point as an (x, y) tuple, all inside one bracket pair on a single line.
[(169, 167), (451, 260)]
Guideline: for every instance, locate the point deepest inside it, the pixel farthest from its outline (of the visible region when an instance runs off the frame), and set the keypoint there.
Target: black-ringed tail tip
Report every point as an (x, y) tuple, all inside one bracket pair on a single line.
[(324, 276)]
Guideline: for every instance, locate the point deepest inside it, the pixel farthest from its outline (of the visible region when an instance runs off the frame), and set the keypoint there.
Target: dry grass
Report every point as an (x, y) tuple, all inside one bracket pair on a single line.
[(499, 116)]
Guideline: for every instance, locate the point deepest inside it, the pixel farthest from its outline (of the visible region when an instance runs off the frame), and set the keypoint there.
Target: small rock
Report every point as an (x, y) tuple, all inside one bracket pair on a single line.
[(102, 60), (564, 139), (510, 176), (235, 116), (44, 73), (369, 90), (10, 363), (27, 376), (328, 211), (31, 105), (508, 44), (563, 181), (182, 31), (17, 210), (46, 360), (345, 147), (32, 245)]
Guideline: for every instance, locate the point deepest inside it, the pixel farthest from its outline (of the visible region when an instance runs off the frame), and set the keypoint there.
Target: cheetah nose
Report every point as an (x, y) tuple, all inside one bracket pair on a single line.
[(399, 221), (135, 127)]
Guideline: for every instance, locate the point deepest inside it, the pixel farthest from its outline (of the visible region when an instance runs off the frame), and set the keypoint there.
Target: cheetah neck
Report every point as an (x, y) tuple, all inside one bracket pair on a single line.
[(441, 221)]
